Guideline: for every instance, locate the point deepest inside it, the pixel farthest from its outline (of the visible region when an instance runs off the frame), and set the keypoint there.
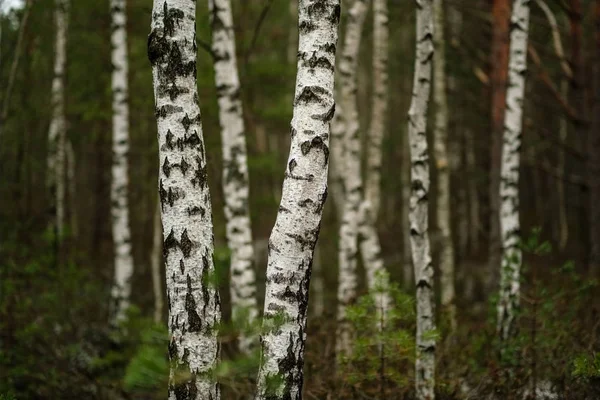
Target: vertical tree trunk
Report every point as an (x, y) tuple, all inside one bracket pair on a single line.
[(443, 171), (407, 264), (499, 74), (55, 177), (235, 171), (296, 229), (509, 183), (155, 258), (418, 213), (72, 185), (193, 299), (594, 156), (474, 221), (119, 190), (353, 185)]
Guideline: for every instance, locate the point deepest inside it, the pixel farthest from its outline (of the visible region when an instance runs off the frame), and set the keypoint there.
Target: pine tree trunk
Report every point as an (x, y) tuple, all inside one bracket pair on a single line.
[(235, 171), (193, 300), (499, 73), (296, 229), (443, 171), (155, 265), (418, 213), (119, 190), (55, 177), (509, 183), (353, 185)]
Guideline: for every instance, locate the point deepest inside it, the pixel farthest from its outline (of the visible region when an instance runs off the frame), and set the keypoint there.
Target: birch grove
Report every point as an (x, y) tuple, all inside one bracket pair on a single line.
[(119, 192), (510, 227), (193, 300), (351, 173), (235, 171), (294, 236), (55, 173), (418, 212), (443, 168)]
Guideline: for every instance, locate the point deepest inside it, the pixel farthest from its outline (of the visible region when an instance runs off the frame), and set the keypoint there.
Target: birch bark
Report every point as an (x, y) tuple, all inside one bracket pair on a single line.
[(235, 171), (443, 171), (418, 213), (193, 300), (55, 178), (155, 258), (119, 190), (296, 229), (353, 185), (509, 181)]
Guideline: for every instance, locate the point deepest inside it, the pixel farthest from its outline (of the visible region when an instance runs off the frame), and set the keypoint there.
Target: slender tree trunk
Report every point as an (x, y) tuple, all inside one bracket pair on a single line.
[(509, 183), (353, 185), (155, 265), (499, 73), (119, 190), (336, 170), (443, 169), (193, 299), (474, 215), (55, 177), (370, 247), (296, 229), (14, 65), (418, 214), (594, 156), (235, 171)]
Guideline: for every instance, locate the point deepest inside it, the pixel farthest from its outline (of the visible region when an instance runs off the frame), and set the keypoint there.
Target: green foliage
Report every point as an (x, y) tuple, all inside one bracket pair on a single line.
[(587, 366), (381, 356)]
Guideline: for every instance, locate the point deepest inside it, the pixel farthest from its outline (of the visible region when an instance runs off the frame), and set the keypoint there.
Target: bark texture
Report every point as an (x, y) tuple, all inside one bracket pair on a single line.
[(594, 155), (56, 171), (119, 189), (418, 212), (440, 145), (353, 185), (155, 260), (509, 183), (235, 171), (296, 229), (193, 300)]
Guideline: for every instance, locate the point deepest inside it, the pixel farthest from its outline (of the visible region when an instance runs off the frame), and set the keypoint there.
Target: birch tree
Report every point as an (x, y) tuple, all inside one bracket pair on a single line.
[(293, 239), (443, 168), (235, 170), (119, 190), (55, 178), (509, 182), (193, 300), (418, 212), (353, 185)]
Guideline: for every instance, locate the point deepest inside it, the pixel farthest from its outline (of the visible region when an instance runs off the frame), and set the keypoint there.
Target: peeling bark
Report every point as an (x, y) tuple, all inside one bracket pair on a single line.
[(119, 190), (235, 171), (418, 213), (353, 185), (296, 229), (443, 169), (509, 182), (55, 174), (193, 300)]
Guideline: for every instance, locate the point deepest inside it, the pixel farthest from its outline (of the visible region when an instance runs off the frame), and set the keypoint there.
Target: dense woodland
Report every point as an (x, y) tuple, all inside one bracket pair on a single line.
[(287, 199)]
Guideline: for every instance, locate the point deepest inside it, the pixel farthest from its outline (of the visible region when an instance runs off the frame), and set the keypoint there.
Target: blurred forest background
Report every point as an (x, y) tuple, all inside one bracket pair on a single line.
[(55, 339)]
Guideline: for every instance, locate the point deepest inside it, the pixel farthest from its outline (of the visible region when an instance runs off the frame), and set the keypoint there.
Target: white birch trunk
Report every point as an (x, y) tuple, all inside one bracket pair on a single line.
[(418, 214), (509, 181), (119, 190), (235, 172), (193, 300), (57, 133), (443, 168), (155, 258), (353, 185), (296, 229), (336, 170)]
